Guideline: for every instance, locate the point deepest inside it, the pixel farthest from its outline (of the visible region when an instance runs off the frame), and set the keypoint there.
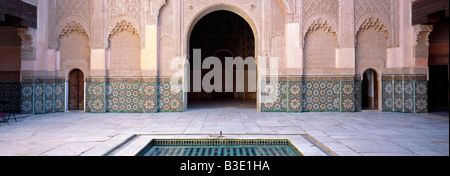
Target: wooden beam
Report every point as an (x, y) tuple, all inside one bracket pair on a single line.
[(422, 8), (26, 12)]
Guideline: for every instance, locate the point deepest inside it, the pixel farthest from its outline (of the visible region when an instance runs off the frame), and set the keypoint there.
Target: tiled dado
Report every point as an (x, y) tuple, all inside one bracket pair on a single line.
[(310, 94), (405, 93), (134, 95), (10, 92), (42, 95)]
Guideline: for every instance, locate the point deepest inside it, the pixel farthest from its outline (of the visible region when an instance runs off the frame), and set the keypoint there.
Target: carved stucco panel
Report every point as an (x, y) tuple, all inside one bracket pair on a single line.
[(421, 39), (384, 7), (133, 11), (329, 7), (65, 8)]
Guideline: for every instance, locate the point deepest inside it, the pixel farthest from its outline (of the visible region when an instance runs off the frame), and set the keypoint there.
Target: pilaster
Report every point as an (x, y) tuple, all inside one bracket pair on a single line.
[(345, 53)]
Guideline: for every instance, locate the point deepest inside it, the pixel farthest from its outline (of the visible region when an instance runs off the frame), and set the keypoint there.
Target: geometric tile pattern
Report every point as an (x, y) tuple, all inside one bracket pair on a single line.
[(323, 96), (421, 97), (387, 96), (96, 97), (274, 96), (357, 93), (295, 97), (27, 102), (36, 96), (306, 96), (400, 93), (59, 91), (49, 95), (10, 92), (134, 97), (149, 97), (349, 100), (170, 97), (398, 96), (124, 97), (41, 95), (407, 94)]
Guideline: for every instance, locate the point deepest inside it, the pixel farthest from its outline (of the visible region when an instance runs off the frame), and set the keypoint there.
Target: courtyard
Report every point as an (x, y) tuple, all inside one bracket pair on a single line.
[(330, 77), (314, 134)]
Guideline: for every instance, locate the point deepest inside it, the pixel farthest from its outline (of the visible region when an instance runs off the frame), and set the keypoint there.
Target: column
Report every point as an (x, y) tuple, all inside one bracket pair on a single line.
[(28, 48), (421, 45)]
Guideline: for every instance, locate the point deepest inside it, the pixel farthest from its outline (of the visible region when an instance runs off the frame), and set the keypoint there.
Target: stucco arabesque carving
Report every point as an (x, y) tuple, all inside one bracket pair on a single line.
[(377, 25), (70, 23), (319, 24), (155, 6), (290, 9), (421, 34), (421, 40), (28, 48), (121, 22), (123, 26), (71, 27)]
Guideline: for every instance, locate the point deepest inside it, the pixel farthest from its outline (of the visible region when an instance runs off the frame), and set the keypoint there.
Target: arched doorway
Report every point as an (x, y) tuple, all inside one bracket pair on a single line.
[(222, 34), (76, 90), (370, 90)]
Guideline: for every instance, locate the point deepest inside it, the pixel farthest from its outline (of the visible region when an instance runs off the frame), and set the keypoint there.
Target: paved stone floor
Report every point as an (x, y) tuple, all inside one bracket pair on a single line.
[(345, 134)]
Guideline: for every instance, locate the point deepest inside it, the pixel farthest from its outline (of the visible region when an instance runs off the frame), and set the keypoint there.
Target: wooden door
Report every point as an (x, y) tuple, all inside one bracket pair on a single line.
[(76, 90)]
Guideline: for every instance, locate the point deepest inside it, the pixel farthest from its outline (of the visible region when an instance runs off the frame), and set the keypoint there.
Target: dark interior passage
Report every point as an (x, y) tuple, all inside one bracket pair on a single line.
[(222, 34), (370, 90), (438, 84)]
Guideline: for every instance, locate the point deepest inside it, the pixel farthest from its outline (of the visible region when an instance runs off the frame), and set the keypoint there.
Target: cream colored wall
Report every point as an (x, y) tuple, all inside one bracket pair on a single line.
[(149, 57), (280, 28)]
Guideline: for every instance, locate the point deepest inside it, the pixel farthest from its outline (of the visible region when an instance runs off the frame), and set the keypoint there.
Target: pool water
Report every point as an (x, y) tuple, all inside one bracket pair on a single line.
[(219, 147)]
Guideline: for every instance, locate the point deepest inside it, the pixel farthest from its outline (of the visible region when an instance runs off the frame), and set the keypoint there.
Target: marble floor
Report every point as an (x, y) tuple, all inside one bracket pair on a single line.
[(343, 134)]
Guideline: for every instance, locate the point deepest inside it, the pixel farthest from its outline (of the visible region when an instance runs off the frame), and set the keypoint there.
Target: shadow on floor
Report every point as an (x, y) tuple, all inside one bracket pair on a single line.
[(221, 104)]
